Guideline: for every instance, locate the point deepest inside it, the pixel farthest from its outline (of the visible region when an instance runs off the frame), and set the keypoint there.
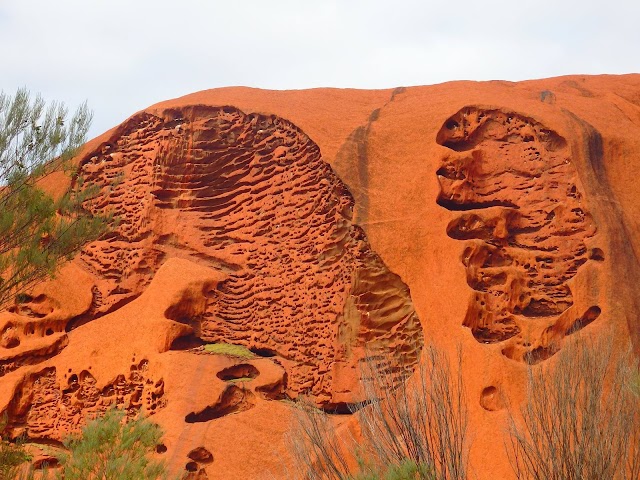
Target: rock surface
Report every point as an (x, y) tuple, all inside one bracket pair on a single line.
[(316, 229)]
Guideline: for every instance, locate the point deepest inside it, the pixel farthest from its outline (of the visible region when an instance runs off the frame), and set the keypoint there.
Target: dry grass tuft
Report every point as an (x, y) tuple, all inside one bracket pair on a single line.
[(581, 419), (417, 426)]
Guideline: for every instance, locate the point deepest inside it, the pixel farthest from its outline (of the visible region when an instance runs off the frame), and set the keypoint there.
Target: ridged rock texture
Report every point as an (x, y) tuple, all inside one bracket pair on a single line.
[(525, 226), (251, 197), (316, 230)]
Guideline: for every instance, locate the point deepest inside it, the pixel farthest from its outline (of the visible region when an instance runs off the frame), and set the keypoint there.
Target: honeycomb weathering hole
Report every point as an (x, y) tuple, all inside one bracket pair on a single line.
[(263, 352), (201, 455), (524, 224), (40, 404), (233, 400), (588, 317), (241, 371), (491, 399), (597, 254), (254, 199)]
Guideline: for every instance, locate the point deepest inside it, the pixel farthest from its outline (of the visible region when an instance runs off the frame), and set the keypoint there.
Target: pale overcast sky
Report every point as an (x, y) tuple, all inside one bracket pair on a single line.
[(122, 56)]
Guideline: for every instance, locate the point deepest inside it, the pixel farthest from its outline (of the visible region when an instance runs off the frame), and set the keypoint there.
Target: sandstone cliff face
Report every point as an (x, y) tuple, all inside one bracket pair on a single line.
[(320, 228)]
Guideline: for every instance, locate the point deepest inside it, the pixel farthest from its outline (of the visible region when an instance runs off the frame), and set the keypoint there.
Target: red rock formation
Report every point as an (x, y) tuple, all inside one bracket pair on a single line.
[(250, 196), (313, 226), (525, 226)]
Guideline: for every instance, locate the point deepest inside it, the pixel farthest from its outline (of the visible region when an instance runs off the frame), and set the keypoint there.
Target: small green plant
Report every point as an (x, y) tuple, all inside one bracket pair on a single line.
[(111, 448), (12, 457), (229, 349), (406, 470)]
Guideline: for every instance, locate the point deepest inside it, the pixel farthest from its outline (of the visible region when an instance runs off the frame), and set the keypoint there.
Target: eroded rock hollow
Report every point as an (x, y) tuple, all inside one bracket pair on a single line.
[(249, 195), (524, 226)]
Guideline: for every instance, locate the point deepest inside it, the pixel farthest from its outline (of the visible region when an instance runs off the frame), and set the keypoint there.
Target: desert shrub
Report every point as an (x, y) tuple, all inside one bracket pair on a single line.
[(416, 428), (424, 420), (111, 448), (406, 470), (580, 420), (319, 452), (12, 457), (14, 461)]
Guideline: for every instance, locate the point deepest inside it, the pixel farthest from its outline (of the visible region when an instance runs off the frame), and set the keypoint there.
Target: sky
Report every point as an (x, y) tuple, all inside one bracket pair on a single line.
[(124, 55)]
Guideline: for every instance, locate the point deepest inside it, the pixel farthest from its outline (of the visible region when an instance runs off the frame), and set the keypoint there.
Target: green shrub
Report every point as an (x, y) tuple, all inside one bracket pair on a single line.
[(110, 448), (406, 470), (12, 457)]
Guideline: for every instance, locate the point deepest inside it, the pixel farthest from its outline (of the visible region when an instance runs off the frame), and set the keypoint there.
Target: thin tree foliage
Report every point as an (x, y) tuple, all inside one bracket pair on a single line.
[(37, 231), (581, 419), (413, 429)]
